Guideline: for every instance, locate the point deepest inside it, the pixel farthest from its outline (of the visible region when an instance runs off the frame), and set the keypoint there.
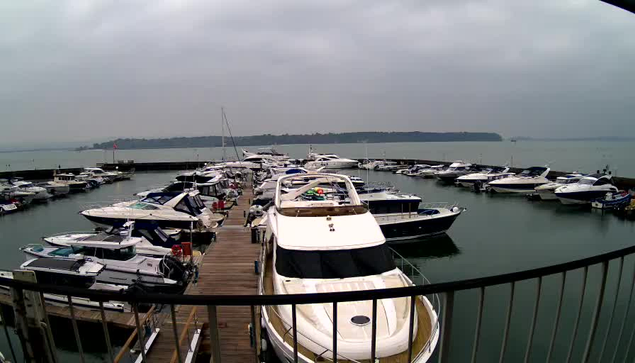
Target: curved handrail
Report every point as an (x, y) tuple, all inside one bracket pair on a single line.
[(319, 298)]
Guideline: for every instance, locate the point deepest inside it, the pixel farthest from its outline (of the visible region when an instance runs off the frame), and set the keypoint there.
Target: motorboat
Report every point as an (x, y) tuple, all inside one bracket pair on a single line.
[(416, 169), (106, 176), (123, 265), (331, 243), (370, 164), (613, 201), (330, 161), (588, 189), (548, 191), (455, 170), (388, 166), (8, 206), (69, 179), (210, 192), (400, 216), (9, 191), (525, 182), (79, 273), (483, 177), (429, 220), (270, 152), (431, 171), (40, 194), (149, 240), (55, 189), (183, 210)]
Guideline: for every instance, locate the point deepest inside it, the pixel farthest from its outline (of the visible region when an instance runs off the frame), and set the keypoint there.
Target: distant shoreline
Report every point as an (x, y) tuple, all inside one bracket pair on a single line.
[(300, 139)]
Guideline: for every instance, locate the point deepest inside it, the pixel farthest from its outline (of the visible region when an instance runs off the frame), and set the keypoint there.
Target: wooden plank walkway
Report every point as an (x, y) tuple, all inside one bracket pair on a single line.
[(227, 268)]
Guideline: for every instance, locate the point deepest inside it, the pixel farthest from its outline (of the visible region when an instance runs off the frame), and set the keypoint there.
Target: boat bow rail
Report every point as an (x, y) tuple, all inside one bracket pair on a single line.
[(594, 341)]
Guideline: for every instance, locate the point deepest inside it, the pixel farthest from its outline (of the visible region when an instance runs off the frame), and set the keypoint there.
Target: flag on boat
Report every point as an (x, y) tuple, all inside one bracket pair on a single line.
[(114, 145)]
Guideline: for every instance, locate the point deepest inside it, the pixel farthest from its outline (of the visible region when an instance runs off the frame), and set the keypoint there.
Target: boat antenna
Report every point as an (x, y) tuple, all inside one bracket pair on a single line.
[(222, 125), (231, 136)]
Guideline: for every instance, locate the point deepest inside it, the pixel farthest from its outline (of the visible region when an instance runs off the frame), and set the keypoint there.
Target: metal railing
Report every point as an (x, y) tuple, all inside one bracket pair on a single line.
[(593, 290)]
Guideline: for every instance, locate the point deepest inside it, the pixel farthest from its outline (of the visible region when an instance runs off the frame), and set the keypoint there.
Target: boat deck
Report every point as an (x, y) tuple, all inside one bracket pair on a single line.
[(227, 268), (423, 331)]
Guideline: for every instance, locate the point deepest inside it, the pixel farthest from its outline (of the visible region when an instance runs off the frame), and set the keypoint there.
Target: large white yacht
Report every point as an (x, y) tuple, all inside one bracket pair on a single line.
[(586, 190), (548, 191), (39, 193), (525, 182), (329, 242), (431, 171), (168, 210), (330, 161)]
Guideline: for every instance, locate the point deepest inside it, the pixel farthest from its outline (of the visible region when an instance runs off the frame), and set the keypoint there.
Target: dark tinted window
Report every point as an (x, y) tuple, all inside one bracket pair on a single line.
[(334, 264)]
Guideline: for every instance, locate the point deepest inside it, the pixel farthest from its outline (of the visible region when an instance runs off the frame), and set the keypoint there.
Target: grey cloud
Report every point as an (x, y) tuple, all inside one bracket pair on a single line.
[(80, 69)]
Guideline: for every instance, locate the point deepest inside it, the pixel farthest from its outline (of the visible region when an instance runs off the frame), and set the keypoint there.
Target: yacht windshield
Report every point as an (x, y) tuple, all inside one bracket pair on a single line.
[(336, 264), (586, 181), (144, 206)]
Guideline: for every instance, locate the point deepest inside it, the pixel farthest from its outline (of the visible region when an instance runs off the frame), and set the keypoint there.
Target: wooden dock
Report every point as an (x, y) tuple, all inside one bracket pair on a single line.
[(227, 268)]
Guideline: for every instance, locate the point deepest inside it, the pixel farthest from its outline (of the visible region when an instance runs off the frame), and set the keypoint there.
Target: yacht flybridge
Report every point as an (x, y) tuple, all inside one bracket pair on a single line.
[(322, 238)]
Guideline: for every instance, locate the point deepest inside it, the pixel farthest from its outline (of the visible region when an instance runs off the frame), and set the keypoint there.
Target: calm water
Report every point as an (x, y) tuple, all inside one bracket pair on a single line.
[(496, 235), (564, 156)]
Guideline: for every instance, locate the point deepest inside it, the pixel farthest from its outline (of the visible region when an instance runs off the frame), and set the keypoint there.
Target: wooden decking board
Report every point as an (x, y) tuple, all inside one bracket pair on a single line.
[(227, 268)]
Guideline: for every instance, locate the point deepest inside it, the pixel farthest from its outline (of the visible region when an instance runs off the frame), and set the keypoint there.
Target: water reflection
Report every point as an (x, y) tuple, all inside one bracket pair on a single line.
[(428, 248)]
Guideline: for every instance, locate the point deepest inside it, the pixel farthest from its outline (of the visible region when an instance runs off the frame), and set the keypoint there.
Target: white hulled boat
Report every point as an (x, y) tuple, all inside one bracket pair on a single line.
[(588, 189), (525, 182), (330, 161), (484, 177), (431, 171), (548, 191), (455, 170), (332, 243)]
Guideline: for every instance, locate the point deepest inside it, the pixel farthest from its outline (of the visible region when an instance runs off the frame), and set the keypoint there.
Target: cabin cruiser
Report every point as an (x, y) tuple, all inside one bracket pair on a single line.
[(370, 164), (9, 191), (330, 161), (107, 177), (484, 177), (40, 194), (525, 182), (210, 192), (548, 191), (588, 189), (149, 240), (400, 217), (123, 266), (388, 166), (74, 185), (415, 169), (431, 172), (330, 242), (183, 210), (455, 170), (271, 152), (8, 206), (72, 273), (55, 189)]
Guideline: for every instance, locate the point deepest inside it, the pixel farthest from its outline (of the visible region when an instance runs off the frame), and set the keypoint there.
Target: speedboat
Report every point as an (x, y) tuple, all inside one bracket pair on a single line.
[(416, 169), (330, 161), (148, 240), (273, 153), (40, 194), (548, 191), (122, 264), (484, 177), (72, 273), (9, 191), (331, 243), (8, 206), (106, 176), (431, 171), (525, 182), (168, 210), (613, 201), (455, 170), (588, 189)]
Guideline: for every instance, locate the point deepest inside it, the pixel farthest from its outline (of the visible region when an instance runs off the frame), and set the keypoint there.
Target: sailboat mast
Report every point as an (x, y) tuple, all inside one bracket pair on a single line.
[(222, 123)]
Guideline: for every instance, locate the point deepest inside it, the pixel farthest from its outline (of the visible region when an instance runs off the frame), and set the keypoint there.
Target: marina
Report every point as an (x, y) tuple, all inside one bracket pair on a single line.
[(448, 254)]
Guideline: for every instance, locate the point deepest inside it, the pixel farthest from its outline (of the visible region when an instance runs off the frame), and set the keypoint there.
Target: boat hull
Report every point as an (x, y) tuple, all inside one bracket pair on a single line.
[(106, 222), (546, 194), (418, 226), (585, 197), (524, 188)]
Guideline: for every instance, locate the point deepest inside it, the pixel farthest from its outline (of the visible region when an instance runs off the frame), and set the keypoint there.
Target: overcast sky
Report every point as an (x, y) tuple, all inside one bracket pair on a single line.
[(84, 70)]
